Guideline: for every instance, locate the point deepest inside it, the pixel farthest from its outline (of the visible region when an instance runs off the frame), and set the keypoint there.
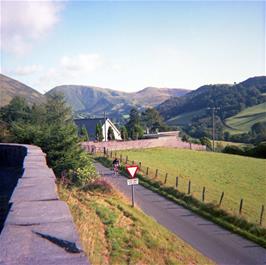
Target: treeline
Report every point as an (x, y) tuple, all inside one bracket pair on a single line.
[(51, 127), (149, 121), (230, 98), (258, 151)]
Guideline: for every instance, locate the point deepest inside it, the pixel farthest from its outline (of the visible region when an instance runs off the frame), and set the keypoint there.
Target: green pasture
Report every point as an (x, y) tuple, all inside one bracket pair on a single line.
[(238, 177), (185, 118), (243, 121)]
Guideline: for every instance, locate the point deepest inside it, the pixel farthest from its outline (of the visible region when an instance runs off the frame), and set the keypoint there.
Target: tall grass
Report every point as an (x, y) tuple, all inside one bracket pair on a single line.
[(112, 232)]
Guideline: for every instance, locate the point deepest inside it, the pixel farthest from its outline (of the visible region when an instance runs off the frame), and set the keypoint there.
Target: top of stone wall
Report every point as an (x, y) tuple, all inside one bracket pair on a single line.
[(39, 228)]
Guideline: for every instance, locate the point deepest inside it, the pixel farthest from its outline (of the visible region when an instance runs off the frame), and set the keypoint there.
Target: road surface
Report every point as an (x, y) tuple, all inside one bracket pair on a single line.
[(218, 244)]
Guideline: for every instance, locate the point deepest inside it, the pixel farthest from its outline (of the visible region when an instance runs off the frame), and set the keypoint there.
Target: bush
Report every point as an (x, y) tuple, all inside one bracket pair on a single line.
[(98, 185), (232, 149)]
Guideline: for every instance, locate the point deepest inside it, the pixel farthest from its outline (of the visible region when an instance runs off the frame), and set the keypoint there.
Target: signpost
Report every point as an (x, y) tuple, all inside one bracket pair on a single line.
[(132, 170)]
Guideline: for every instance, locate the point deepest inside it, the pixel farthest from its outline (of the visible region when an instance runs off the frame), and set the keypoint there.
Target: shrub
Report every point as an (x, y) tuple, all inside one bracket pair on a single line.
[(232, 149), (98, 185)]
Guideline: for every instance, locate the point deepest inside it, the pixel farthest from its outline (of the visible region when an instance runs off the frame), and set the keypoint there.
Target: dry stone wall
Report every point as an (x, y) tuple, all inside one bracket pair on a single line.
[(167, 141), (39, 228)]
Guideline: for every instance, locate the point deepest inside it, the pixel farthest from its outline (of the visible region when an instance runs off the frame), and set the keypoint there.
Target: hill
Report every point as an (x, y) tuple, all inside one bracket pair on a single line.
[(9, 88), (191, 111), (96, 100), (244, 120)]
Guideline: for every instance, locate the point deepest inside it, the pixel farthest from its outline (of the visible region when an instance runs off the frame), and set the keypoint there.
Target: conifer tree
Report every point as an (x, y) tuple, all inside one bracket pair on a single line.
[(110, 133)]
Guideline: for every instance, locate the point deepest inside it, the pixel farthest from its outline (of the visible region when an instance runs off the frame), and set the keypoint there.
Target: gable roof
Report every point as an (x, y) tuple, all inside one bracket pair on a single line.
[(90, 125)]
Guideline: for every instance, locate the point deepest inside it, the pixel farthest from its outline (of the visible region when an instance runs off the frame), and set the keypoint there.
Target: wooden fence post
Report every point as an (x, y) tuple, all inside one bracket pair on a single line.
[(147, 172), (166, 176), (120, 158), (111, 154), (115, 154), (126, 159), (176, 182), (221, 199), (133, 162), (139, 165), (240, 206), (203, 194), (189, 186), (261, 214), (156, 173)]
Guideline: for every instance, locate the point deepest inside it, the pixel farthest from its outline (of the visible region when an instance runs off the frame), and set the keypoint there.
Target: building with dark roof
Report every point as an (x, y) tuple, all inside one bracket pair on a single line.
[(90, 125)]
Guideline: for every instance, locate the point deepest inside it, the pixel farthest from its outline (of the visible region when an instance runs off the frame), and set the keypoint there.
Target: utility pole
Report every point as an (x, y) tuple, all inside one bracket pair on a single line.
[(105, 134), (213, 125)]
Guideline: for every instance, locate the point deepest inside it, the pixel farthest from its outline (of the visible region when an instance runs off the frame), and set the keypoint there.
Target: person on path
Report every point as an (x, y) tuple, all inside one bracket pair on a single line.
[(115, 166)]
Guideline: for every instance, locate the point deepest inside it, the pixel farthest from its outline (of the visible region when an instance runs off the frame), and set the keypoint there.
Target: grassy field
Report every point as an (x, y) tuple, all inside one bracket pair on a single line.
[(226, 143), (112, 232), (238, 177), (243, 121), (185, 118)]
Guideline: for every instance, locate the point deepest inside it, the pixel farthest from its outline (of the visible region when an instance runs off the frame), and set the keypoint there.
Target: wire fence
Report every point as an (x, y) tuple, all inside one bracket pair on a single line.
[(221, 199)]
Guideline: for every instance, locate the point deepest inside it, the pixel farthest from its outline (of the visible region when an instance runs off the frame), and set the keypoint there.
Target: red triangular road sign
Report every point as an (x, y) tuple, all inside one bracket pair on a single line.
[(132, 170)]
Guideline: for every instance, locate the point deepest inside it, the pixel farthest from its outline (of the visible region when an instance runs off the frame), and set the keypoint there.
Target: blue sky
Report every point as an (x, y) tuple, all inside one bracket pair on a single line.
[(129, 45)]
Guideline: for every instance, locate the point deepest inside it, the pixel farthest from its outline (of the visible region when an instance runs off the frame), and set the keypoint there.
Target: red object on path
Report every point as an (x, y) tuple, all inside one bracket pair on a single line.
[(132, 170)]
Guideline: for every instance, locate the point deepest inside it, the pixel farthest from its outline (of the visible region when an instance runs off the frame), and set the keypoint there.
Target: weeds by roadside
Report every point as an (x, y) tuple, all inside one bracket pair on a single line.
[(112, 232)]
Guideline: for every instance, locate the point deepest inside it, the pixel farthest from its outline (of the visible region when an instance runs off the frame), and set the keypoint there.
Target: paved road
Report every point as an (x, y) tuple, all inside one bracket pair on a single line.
[(218, 244)]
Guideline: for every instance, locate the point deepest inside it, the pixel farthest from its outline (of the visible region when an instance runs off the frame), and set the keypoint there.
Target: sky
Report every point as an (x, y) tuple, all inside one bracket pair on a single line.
[(130, 45)]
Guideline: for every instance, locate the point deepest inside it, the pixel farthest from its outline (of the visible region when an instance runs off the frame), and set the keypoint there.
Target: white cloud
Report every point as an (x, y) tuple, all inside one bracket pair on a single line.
[(82, 62), (23, 22), (27, 69), (72, 70)]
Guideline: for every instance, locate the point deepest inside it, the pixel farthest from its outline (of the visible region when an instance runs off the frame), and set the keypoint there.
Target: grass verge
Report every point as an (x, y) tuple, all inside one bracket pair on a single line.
[(209, 211), (112, 232)]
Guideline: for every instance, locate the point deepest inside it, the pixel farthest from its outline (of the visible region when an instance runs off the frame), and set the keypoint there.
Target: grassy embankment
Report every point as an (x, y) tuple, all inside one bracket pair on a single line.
[(112, 232), (237, 176), (243, 121)]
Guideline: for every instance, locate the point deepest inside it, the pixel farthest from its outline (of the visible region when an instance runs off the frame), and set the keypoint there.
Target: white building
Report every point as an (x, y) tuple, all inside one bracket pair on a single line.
[(90, 125)]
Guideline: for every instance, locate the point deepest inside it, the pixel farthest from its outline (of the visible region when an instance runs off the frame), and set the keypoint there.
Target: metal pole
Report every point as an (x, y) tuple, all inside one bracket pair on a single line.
[(133, 197)]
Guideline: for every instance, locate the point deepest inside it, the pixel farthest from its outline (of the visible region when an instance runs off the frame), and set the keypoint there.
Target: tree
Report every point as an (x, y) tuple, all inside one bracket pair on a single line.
[(51, 127), (136, 132), (152, 120), (83, 134), (124, 133), (110, 133), (99, 132), (206, 141), (16, 110), (134, 128)]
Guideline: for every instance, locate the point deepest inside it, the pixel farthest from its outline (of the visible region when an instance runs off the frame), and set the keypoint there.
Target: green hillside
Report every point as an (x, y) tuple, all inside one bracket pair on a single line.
[(243, 121), (193, 114), (238, 177), (9, 88), (185, 118)]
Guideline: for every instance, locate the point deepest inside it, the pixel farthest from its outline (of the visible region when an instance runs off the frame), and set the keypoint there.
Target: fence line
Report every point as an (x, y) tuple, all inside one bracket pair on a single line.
[(185, 185)]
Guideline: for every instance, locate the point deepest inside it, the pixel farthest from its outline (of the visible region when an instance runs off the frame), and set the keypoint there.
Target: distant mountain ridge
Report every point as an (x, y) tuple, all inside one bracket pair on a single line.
[(9, 88), (96, 100)]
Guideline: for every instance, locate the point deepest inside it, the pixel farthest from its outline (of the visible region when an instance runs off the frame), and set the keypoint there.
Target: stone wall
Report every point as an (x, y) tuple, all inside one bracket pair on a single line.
[(39, 228), (167, 141)]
